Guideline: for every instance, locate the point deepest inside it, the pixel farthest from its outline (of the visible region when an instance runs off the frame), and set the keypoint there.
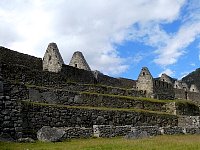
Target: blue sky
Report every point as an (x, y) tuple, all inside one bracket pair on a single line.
[(116, 37)]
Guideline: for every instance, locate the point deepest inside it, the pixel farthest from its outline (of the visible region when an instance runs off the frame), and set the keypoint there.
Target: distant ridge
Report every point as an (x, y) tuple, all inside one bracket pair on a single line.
[(193, 78)]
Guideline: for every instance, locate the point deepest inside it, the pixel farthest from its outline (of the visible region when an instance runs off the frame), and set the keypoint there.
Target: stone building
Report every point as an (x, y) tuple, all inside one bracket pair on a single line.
[(145, 82), (79, 61), (154, 88), (193, 88), (181, 85), (52, 60), (165, 78)]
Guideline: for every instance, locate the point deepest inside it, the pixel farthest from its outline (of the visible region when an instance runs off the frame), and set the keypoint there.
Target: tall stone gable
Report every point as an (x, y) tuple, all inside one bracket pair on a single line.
[(79, 61), (166, 78), (194, 88), (52, 60), (145, 81)]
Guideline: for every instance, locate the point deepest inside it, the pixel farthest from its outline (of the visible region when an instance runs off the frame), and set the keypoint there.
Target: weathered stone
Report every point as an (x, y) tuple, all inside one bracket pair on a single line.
[(100, 120), (77, 99), (52, 60), (4, 137), (165, 78), (154, 88), (145, 81), (193, 88), (79, 61), (48, 134), (26, 140)]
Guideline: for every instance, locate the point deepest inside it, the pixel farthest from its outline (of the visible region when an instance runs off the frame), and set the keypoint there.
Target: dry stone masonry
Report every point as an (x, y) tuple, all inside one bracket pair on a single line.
[(52, 60), (79, 61), (74, 102)]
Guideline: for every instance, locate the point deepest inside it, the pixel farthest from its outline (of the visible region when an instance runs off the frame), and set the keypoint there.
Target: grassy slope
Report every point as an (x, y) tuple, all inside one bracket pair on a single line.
[(181, 142)]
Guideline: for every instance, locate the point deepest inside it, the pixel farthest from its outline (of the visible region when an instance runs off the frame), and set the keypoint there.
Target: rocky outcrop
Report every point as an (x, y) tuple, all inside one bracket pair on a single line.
[(26, 140)]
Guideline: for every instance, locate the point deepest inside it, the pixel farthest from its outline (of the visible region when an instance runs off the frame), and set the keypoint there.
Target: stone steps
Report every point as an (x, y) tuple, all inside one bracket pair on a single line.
[(76, 98), (93, 88)]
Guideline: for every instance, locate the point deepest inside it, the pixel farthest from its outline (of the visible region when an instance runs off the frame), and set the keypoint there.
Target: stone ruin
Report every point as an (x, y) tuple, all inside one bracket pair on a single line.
[(49, 96), (52, 60), (79, 61)]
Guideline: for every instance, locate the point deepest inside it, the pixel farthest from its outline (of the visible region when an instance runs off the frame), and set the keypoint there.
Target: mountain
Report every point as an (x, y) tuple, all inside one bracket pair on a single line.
[(193, 78)]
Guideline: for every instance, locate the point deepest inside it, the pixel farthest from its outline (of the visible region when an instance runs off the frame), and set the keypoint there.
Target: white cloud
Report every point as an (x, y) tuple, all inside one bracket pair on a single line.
[(170, 46), (175, 46), (168, 72), (93, 27), (177, 43)]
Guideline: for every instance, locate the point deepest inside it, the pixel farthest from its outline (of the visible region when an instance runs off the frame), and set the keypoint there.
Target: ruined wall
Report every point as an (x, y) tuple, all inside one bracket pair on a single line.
[(79, 61), (71, 95), (189, 121), (145, 82), (193, 88), (166, 78), (163, 90), (180, 94), (191, 96), (22, 68), (189, 109), (92, 99), (194, 97), (117, 82), (10, 114), (36, 77), (67, 74), (12, 57), (55, 116), (52, 60)]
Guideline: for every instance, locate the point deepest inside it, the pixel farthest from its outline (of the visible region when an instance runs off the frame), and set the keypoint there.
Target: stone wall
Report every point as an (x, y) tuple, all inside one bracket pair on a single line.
[(52, 60), (194, 97), (72, 97), (10, 117), (187, 108), (37, 115), (35, 77), (12, 57), (117, 82), (145, 82), (163, 90), (79, 61), (182, 108), (20, 67), (191, 96), (189, 121), (180, 94), (100, 100), (25, 74), (112, 131)]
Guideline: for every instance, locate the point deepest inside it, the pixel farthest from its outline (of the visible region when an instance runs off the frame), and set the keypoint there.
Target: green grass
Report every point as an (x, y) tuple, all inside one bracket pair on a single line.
[(178, 142)]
